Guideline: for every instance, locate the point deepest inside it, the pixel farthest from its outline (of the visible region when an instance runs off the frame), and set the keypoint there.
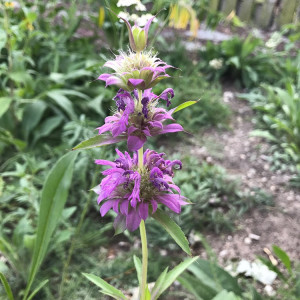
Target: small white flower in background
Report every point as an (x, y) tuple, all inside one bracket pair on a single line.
[(216, 63), (139, 21), (269, 291), (142, 20), (126, 3), (124, 15), (140, 6), (274, 40)]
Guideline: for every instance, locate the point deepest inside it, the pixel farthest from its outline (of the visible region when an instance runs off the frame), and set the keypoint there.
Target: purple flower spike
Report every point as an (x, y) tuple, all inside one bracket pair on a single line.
[(135, 194), (138, 122)]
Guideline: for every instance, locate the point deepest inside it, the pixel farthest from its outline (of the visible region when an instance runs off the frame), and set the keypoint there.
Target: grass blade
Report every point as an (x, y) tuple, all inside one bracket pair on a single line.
[(40, 286), (6, 287), (106, 287), (54, 196)]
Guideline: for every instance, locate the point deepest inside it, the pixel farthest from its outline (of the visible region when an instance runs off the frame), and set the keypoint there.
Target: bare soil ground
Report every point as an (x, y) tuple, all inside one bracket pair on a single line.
[(245, 158)]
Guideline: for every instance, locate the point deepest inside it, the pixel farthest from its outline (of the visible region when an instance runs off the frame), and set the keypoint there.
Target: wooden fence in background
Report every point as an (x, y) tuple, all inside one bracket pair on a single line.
[(263, 13)]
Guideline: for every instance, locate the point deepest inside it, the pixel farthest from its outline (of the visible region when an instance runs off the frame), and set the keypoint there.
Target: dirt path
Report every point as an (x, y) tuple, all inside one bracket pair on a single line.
[(245, 158)]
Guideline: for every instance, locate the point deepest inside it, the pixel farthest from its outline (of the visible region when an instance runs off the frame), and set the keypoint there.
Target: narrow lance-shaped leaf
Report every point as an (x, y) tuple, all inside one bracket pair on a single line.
[(170, 277), (54, 196), (158, 284), (6, 287), (184, 105), (98, 141), (282, 255), (38, 288), (107, 289), (138, 267), (173, 229)]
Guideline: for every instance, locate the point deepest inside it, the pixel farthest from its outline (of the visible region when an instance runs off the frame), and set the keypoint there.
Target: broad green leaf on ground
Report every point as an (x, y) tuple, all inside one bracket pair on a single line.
[(54, 196), (6, 287), (98, 141), (173, 229), (184, 105), (4, 105), (107, 289), (214, 276), (165, 280), (282, 255), (208, 279)]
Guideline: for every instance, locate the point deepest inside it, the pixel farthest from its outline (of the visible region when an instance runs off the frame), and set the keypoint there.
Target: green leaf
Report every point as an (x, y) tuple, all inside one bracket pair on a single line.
[(158, 283), (138, 267), (54, 196), (4, 105), (6, 287), (98, 141), (47, 127), (225, 295), (32, 116), (147, 293), (184, 105), (263, 134), (3, 38), (173, 274), (63, 102), (39, 287), (173, 229), (196, 287), (214, 277), (282, 255), (106, 287)]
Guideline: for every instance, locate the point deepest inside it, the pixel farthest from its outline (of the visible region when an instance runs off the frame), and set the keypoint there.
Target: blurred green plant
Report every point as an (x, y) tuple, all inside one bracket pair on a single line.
[(278, 119), (240, 60)]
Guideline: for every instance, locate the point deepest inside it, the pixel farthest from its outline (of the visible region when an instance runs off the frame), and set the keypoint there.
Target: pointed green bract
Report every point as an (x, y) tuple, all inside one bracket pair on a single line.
[(173, 229), (6, 287), (106, 287), (98, 141), (184, 105), (54, 196)]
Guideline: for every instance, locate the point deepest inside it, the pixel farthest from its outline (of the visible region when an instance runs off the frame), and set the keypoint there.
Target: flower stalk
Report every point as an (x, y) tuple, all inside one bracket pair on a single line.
[(144, 260)]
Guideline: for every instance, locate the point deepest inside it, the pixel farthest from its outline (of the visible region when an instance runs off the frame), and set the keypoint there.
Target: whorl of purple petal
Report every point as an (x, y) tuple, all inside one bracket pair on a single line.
[(121, 190), (166, 95)]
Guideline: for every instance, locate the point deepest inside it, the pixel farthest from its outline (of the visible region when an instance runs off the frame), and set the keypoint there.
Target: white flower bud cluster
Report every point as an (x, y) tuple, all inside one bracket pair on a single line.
[(216, 63), (126, 3)]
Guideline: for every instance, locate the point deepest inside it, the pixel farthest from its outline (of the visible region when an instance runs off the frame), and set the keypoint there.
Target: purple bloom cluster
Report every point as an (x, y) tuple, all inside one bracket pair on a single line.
[(135, 193), (136, 121)]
